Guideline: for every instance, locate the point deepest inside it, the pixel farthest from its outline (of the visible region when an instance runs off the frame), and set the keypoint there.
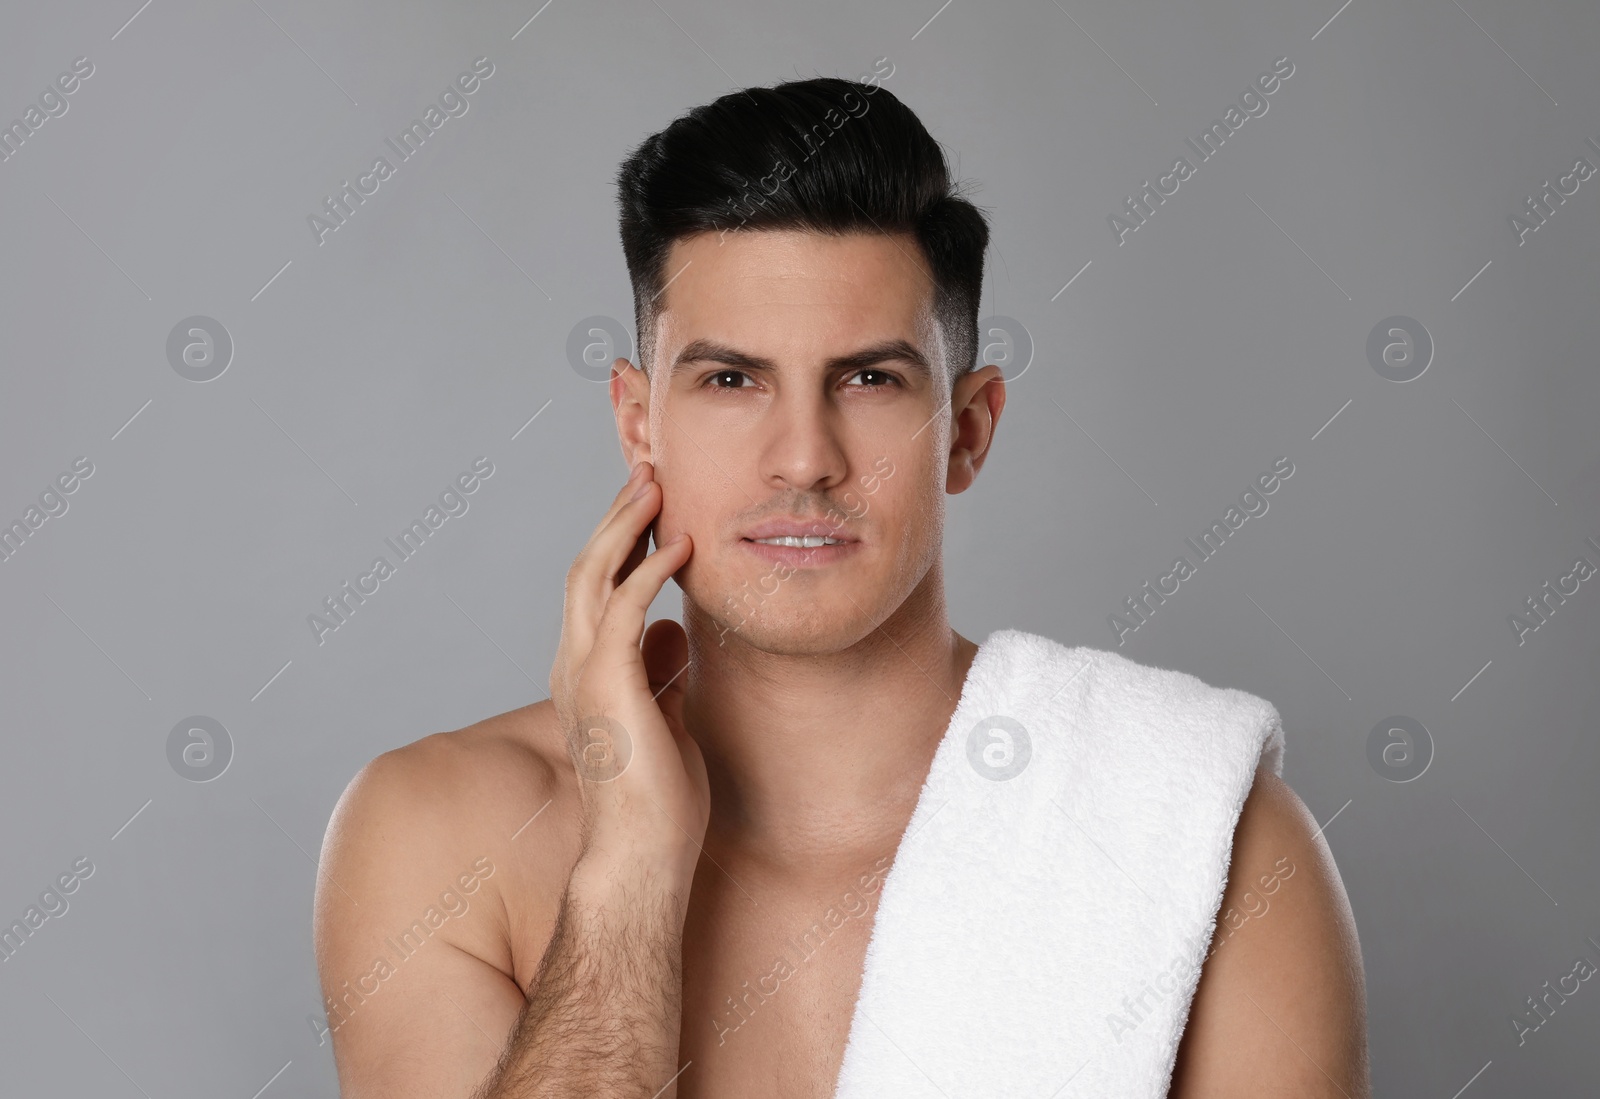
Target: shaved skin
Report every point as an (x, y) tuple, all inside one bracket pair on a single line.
[(470, 945)]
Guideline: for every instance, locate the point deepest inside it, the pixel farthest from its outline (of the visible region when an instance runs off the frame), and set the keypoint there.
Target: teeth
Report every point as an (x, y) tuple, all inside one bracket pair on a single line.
[(809, 542)]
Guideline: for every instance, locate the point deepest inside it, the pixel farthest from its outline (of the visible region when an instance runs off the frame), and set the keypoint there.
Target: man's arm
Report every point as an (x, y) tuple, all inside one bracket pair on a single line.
[(603, 1010), (605, 1014), (1281, 1005), (422, 1003), (415, 1006)]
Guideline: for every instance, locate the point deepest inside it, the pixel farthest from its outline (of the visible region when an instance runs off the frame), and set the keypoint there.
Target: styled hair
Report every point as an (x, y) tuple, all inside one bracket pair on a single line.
[(826, 155)]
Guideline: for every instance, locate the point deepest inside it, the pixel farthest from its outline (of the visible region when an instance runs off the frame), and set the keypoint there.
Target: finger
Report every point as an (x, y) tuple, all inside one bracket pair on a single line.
[(641, 547), (621, 626), (578, 616), (621, 498), (594, 574), (665, 651)]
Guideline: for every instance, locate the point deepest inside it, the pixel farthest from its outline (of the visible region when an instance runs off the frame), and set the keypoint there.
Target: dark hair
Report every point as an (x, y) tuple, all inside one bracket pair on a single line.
[(859, 161)]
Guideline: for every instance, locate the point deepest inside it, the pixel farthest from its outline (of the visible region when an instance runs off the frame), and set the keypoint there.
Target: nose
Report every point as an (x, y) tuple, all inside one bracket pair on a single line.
[(804, 448)]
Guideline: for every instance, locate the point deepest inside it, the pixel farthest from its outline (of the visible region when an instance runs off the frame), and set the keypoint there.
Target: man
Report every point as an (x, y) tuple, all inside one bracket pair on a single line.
[(625, 859)]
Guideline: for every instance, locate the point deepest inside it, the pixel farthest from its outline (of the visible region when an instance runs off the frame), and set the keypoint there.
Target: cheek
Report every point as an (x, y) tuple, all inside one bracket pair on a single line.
[(690, 503), (903, 483), (904, 512)]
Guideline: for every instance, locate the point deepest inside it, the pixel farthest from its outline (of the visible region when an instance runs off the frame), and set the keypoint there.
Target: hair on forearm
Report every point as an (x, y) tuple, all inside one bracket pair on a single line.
[(605, 1007)]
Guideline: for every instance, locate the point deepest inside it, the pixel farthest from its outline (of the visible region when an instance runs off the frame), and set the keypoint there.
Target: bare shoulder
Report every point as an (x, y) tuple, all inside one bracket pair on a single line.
[(1281, 1004), (476, 826)]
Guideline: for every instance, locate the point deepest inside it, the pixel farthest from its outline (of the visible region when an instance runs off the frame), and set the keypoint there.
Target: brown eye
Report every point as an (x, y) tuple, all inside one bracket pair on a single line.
[(888, 379)]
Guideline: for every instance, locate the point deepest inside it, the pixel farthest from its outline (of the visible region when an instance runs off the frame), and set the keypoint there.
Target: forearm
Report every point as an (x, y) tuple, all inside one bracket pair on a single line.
[(607, 1004)]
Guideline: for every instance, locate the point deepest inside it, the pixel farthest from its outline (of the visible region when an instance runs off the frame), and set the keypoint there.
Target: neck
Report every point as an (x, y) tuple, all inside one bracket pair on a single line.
[(817, 753)]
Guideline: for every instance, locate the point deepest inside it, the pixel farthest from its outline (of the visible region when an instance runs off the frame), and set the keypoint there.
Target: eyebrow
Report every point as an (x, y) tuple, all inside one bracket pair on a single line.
[(894, 350)]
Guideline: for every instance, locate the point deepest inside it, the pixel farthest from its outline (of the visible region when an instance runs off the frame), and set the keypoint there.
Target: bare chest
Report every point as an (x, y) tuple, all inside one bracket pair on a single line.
[(769, 988)]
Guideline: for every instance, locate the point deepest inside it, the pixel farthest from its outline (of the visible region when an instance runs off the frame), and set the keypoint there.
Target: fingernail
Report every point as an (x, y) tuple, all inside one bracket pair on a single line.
[(640, 491), (633, 474)]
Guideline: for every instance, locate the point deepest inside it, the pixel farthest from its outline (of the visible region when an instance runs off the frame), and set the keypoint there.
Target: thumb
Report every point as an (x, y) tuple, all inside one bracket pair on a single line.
[(666, 661)]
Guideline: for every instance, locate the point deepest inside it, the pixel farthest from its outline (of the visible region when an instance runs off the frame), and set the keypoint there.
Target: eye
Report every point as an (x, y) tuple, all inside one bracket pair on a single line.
[(888, 378), (885, 379), (712, 379)]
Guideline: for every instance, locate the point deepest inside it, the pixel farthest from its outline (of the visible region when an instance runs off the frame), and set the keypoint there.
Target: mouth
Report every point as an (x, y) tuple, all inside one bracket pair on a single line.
[(799, 541), (801, 551)]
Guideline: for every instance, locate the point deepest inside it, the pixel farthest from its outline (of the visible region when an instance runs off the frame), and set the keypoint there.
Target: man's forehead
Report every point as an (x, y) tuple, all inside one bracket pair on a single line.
[(852, 294), (798, 261)]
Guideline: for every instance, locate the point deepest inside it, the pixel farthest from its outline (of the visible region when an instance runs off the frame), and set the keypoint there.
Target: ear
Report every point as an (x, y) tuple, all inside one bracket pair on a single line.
[(976, 401), (630, 402)]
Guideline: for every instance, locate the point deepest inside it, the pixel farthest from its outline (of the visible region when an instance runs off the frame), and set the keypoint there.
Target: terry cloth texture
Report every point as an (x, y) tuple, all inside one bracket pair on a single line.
[(1041, 930)]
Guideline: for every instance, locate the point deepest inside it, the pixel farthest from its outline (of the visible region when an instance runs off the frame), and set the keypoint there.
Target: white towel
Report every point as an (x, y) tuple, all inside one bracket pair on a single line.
[(1041, 936)]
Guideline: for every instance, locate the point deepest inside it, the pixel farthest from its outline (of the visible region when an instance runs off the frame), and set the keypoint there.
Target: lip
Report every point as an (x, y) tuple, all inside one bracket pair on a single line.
[(789, 527), (800, 556)]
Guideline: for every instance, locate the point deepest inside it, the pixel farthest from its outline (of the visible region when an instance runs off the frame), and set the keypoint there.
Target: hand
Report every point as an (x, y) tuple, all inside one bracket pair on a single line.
[(641, 776)]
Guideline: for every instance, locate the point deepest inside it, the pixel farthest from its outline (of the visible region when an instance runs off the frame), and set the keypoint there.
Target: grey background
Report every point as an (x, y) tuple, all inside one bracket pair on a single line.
[(1176, 368)]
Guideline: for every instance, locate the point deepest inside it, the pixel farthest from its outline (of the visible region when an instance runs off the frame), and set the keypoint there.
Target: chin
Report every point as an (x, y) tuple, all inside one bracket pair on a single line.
[(789, 630)]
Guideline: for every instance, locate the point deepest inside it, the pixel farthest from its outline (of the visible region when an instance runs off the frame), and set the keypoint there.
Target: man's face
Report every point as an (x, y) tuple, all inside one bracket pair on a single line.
[(751, 420)]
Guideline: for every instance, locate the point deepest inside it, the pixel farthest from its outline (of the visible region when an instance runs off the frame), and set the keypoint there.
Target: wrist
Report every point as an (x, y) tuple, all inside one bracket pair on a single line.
[(655, 846), (631, 875)]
